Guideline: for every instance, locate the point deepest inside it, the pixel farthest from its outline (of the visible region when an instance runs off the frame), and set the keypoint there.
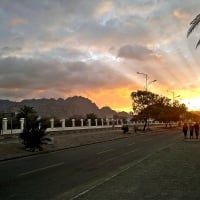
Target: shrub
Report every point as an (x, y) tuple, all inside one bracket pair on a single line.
[(34, 129)]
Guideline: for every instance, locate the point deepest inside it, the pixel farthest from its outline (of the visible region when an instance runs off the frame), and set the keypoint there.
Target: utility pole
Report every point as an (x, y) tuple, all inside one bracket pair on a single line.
[(173, 96), (146, 80), (146, 89)]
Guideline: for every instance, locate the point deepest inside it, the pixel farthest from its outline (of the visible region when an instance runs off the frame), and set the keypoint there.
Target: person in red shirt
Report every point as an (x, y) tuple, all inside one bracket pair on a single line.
[(185, 130)]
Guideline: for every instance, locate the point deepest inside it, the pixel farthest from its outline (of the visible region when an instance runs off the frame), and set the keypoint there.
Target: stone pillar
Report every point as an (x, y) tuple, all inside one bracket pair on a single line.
[(113, 123), (73, 122), (52, 122), (89, 122), (102, 122), (63, 123), (107, 121), (96, 122), (121, 122), (5, 124), (22, 120), (117, 120), (81, 122)]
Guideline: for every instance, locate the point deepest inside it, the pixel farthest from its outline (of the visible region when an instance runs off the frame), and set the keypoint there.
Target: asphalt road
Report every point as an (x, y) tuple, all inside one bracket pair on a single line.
[(66, 174)]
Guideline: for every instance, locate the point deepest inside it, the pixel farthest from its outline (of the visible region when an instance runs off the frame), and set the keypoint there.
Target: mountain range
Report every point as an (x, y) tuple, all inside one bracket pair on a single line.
[(76, 107)]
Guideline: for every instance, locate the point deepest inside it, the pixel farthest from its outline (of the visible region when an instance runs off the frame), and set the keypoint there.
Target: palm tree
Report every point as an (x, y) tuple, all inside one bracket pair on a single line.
[(26, 111), (34, 130), (193, 25)]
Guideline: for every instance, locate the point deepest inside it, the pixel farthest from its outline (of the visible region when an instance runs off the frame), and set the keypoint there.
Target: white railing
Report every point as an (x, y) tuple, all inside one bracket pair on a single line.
[(108, 123), (105, 123)]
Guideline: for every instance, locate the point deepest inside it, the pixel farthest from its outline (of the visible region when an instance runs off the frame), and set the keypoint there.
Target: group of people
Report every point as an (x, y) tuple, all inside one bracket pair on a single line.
[(192, 128)]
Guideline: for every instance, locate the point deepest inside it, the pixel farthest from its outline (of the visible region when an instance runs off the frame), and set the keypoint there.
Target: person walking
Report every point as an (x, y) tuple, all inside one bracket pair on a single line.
[(185, 130), (196, 129), (191, 127)]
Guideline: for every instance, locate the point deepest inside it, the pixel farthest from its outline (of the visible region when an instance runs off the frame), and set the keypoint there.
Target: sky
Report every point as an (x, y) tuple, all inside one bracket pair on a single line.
[(94, 48)]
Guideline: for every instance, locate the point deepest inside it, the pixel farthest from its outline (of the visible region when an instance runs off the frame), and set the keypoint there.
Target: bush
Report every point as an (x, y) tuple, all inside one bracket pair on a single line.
[(34, 129), (125, 128), (33, 135)]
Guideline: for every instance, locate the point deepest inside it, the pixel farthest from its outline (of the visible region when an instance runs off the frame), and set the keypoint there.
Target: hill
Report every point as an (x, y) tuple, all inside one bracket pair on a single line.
[(76, 106)]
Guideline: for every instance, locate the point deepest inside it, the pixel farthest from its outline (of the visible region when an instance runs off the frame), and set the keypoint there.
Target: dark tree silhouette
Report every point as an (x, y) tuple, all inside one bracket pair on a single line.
[(34, 129), (149, 105)]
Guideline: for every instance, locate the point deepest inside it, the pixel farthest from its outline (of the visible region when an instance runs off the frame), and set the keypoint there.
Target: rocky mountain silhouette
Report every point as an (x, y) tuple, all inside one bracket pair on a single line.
[(76, 106)]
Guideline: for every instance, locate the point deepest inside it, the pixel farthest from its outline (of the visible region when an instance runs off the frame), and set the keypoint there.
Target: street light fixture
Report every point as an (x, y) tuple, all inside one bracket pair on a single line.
[(173, 96), (146, 89), (146, 80), (152, 82)]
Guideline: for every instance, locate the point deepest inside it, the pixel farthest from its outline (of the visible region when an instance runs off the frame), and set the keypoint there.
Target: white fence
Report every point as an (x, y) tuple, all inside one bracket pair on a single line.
[(105, 123)]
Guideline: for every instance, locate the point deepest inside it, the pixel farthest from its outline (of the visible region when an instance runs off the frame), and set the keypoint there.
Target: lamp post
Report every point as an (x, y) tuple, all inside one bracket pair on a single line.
[(146, 89), (173, 96), (146, 80)]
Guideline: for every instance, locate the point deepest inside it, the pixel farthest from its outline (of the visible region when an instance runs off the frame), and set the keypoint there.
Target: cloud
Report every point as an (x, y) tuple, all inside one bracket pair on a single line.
[(47, 76), (5, 51), (136, 52), (17, 21), (181, 14)]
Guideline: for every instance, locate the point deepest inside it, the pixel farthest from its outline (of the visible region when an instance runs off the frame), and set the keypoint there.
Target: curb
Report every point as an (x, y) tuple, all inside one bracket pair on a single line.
[(56, 149)]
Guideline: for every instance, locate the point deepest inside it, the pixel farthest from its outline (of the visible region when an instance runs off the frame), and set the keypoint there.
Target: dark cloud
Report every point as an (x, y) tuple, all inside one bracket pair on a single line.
[(32, 75), (135, 52), (62, 54), (9, 50)]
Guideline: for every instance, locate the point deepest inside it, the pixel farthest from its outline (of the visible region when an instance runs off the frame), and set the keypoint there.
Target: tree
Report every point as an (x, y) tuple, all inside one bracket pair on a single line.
[(34, 128), (91, 116), (168, 113), (191, 116), (147, 104), (142, 102), (28, 113), (193, 25)]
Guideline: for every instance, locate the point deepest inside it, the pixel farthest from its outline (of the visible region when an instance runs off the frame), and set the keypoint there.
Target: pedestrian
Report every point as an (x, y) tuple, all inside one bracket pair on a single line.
[(196, 129), (185, 130), (191, 127)]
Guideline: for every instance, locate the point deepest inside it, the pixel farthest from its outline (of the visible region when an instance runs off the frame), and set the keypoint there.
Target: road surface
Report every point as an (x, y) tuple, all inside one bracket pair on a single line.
[(72, 171)]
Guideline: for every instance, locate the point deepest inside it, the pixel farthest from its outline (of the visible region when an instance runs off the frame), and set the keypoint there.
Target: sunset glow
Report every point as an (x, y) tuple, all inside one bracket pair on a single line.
[(94, 49)]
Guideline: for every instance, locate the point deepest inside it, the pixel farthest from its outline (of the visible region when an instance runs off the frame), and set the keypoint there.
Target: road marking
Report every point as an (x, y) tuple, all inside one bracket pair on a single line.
[(104, 151), (41, 169), (132, 165), (133, 151)]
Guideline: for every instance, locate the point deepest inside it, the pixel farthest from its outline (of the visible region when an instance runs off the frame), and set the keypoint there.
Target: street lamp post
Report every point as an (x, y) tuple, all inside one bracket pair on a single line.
[(173, 96), (146, 89), (146, 80)]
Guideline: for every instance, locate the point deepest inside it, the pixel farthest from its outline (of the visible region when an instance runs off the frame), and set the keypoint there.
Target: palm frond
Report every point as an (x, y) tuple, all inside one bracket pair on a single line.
[(198, 43), (193, 24)]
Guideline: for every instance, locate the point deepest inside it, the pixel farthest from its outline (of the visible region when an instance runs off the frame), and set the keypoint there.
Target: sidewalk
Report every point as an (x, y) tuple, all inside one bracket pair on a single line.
[(172, 173)]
